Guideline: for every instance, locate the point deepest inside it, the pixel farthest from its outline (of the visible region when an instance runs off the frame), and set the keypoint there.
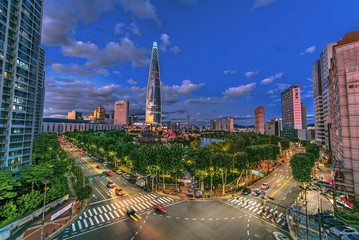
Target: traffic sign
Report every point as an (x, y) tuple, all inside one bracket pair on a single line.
[(257, 173), (289, 208)]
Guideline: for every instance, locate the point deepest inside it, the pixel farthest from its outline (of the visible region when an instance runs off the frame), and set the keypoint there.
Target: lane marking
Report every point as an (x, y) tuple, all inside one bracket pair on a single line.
[(281, 187), (91, 222)]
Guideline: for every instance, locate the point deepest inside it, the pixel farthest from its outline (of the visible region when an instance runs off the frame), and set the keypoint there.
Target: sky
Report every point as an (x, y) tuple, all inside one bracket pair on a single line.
[(218, 58)]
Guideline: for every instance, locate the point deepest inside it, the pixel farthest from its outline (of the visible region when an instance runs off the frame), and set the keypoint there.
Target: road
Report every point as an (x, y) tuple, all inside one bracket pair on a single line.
[(238, 217)]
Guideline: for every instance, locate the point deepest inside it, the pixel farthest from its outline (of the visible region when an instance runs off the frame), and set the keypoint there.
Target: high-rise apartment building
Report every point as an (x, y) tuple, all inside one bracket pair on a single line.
[(224, 124), (212, 125), (133, 119), (344, 114), (230, 124), (121, 115), (304, 116), (325, 65), (74, 115), (99, 113), (218, 124), (153, 99), (273, 126), (291, 111), (22, 84), (259, 119), (318, 104)]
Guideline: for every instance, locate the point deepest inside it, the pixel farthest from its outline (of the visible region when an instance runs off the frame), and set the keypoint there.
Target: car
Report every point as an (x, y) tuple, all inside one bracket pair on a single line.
[(110, 184), (119, 191), (256, 192), (322, 216), (246, 191), (351, 237), (119, 172), (161, 208), (331, 222), (280, 236), (126, 176), (265, 186), (141, 183), (109, 173), (190, 193), (99, 166), (132, 214), (343, 231), (114, 170), (105, 164)]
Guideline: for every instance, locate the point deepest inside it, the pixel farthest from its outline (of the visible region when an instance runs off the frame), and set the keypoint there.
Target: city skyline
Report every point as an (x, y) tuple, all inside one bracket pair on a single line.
[(102, 52)]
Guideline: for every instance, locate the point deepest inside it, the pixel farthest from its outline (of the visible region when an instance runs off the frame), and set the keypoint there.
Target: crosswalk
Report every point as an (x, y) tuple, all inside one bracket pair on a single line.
[(111, 211), (256, 207)]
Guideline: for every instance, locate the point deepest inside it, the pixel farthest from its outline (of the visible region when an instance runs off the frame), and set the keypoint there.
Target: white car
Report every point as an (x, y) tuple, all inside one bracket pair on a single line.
[(265, 186), (343, 231), (126, 176), (280, 236)]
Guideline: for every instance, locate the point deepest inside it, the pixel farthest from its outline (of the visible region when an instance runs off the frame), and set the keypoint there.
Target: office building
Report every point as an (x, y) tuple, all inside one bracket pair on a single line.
[(121, 115), (273, 126), (153, 98), (74, 115), (212, 125), (230, 124), (344, 114), (224, 124), (259, 119), (319, 120), (176, 126), (304, 116), (99, 113), (325, 63), (218, 124), (133, 119), (22, 81)]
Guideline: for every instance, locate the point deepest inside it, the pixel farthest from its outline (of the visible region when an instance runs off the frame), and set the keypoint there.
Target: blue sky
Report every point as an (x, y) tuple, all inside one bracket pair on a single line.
[(217, 58)]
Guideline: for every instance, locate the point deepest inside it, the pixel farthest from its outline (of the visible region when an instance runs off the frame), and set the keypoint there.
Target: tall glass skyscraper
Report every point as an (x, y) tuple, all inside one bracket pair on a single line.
[(22, 80), (153, 99)]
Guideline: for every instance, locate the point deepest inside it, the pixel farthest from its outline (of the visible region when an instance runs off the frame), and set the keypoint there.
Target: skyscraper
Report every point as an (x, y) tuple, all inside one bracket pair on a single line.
[(153, 99), (74, 115), (230, 124), (218, 124), (99, 113), (224, 124), (273, 126), (133, 119), (344, 114), (121, 115), (259, 119), (304, 116), (318, 103), (212, 125), (291, 111), (22, 84)]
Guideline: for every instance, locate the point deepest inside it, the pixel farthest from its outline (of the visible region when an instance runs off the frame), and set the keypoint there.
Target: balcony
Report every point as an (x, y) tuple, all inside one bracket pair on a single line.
[(4, 132)]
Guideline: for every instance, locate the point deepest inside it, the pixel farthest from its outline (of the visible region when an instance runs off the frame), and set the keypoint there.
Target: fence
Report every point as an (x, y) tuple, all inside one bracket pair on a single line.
[(34, 214)]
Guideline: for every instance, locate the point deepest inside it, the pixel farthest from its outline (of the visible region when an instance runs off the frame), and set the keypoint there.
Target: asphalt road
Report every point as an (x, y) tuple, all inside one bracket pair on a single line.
[(238, 217)]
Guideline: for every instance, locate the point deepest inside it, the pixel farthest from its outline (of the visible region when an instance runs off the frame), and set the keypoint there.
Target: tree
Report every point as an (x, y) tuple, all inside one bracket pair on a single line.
[(224, 162), (29, 201), (7, 185), (163, 161), (313, 149), (36, 173), (84, 192), (302, 164), (9, 210)]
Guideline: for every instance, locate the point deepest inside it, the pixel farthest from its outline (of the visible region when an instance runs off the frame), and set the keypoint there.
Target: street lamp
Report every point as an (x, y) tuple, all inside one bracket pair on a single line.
[(45, 182), (306, 209)]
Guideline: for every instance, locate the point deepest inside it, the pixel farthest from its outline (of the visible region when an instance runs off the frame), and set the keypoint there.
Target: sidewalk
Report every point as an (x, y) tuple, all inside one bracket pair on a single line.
[(50, 228)]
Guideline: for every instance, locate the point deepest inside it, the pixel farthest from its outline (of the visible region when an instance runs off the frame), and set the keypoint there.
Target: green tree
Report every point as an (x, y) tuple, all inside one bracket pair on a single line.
[(224, 162), (163, 161), (84, 192), (302, 164), (29, 201), (8, 185), (313, 149), (8, 210)]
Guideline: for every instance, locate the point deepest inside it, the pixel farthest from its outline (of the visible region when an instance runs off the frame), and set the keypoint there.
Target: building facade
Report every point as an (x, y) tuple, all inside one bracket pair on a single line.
[(344, 114), (230, 124), (224, 124), (121, 113), (133, 119), (259, 119), (74, 115), (304, 116), (153, 98), (22, 85), (212, 125), (99, 113), (318, 104), (273, 126), (218, 124)]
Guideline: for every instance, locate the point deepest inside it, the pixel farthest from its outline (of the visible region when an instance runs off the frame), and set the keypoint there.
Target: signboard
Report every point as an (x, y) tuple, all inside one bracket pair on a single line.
[(290, 208), (5, 234), (61, 211), (259, 174), (97, 176), (202, 186), (185, 180), (165, 176)]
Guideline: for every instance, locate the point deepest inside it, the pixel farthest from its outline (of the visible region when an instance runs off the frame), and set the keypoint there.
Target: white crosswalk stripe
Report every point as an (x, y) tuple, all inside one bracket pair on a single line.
[(121, 204), (141, 206), (80, 225), (170, 199), (250, 208), (132, 200), (104, 209), (255, 209), (89, 211), (111, 215), (116, 214), (96, 220), (117, 205), (159, 200), (146, 205), (94, 210), (247, 206), (121, 212), (103, 220), (99, 209), (108, 219), (73, 227), (113, 206), (109, 208), (259, 211), (91, 222), (135, 207), (85, 222), (147, 197), (85, 214)]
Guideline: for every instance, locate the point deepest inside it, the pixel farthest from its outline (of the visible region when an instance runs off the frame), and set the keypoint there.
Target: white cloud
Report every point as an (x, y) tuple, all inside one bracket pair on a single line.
[(205, 101), (239, 91), (309, 50), (270, 92), (165, 42), (118, 30), (80, 49), (283, 86), (251, 73), (117, 73), (310, 79), (135, 30), (262, 3), (227, 72), (131, 81), (272, 78), (143, 9), (183, 90), (176, 50)]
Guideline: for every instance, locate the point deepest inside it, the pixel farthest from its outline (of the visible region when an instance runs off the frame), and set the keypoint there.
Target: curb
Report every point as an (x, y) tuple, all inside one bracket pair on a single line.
[(68, 222), (289, 224), (168, 195), (165, 194)]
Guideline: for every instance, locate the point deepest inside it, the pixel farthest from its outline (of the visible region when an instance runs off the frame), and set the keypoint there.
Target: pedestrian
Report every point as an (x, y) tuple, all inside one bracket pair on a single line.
[(231, 189)]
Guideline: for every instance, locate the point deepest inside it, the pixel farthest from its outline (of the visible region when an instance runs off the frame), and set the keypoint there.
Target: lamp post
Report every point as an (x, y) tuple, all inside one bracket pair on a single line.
[(306, 209), (43, 209)]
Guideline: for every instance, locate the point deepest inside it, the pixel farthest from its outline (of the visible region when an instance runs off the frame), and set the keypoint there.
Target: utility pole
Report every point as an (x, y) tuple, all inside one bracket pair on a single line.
[(43, 210), (319, 214)]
